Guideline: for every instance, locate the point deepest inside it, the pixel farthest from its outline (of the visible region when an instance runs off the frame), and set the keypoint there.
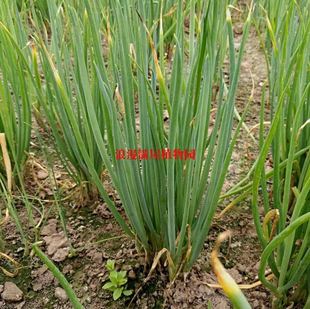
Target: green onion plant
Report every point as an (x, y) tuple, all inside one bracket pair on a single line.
[(107, 105), (59, 54), (16, 91)]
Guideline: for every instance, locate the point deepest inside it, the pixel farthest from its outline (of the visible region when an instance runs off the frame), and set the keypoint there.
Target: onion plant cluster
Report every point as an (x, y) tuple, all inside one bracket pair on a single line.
[(285, 231), (121, 103)]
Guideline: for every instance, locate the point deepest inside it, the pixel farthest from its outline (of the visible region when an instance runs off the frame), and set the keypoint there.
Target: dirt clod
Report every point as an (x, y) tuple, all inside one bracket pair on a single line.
[(96, 256), (11, 292), (42, 278), (236, 275), (50, 228), (57, 246), (61, 254)]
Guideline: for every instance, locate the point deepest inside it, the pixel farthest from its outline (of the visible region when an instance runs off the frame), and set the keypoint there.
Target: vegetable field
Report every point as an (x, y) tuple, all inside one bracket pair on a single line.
[(154, 154)]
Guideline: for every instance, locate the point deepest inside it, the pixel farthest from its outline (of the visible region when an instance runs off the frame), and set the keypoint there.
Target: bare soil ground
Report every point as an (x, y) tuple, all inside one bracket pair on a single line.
[(95, 237)]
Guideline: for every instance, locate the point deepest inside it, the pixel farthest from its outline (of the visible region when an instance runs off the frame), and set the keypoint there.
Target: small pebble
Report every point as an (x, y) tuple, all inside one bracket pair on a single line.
[(20, 305), (131, 274), (42, 175), (97, 258), (85, 288), (127, 267), (88, 300), (81, 228), (109, 227), (61, 294), (241, 268)]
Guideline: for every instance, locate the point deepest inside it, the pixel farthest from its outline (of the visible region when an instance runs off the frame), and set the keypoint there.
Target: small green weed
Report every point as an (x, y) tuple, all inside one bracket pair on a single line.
[(117, 281)]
